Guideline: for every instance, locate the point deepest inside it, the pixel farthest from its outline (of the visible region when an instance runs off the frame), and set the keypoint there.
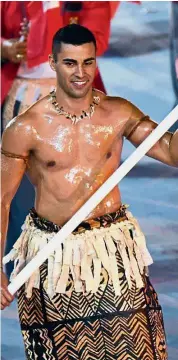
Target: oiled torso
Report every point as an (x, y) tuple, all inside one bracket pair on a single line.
[(69, 162)]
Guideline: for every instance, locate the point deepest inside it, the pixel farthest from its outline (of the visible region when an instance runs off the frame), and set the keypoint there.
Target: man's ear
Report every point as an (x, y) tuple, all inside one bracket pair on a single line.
[(52, 62)]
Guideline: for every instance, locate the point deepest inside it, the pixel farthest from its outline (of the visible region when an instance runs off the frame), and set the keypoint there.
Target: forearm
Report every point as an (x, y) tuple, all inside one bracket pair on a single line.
[(4, 226), (173, 148)]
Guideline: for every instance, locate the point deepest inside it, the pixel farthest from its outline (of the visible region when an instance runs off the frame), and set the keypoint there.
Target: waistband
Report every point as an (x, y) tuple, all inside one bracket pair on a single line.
[(100, 221)]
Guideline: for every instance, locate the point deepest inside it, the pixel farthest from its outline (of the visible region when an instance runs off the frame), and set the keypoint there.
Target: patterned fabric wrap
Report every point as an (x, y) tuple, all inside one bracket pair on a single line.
[(92, 298), (92, 245)]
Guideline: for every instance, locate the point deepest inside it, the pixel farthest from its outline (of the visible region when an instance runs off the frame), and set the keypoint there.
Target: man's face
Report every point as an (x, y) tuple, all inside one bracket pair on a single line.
[(75, 68)]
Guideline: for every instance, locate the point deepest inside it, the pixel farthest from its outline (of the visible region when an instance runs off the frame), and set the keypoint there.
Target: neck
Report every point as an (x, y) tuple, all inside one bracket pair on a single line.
[(74, 105)]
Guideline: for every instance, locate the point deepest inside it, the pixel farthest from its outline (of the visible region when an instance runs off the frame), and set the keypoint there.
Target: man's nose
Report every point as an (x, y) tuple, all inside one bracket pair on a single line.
[(79, 71)]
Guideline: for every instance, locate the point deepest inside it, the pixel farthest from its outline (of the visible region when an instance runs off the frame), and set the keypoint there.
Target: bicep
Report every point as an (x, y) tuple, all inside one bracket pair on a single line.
[(17, 138), (139, 127), (12, 171), (16, 146)]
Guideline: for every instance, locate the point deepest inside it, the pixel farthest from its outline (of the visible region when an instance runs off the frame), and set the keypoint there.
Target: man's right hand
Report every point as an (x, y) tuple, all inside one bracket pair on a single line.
[(6, 297), (14, 50)]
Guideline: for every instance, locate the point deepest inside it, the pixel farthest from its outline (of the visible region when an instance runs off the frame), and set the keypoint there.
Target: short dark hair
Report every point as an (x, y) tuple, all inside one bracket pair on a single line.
[(73, 34)]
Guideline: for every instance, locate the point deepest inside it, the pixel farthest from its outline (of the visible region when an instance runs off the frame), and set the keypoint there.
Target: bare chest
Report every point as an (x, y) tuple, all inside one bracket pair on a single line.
[(62, 146)]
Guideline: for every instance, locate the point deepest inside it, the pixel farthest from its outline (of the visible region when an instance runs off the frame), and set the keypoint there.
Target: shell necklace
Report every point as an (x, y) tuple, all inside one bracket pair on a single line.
[(74, 118)]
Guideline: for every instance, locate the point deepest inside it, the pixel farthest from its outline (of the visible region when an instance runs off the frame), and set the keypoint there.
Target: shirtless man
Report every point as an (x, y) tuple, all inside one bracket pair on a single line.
[(92, 298)]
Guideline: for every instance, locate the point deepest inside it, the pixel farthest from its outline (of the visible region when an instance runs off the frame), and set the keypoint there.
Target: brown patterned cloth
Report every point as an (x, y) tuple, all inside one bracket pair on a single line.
[(101, 221), (87, 325)]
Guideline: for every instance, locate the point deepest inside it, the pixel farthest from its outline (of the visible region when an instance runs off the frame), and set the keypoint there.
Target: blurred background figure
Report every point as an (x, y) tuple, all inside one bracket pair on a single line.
[(27, 31)]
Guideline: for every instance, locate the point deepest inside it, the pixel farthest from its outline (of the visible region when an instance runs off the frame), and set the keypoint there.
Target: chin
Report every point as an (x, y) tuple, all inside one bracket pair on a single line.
[(80, 93)]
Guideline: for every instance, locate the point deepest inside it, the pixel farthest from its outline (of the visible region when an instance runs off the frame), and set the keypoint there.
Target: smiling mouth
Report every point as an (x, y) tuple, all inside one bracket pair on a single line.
[(79, 84)]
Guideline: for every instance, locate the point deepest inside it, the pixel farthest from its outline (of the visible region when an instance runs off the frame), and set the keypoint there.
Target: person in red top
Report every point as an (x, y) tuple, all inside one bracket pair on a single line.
[(25, 74)]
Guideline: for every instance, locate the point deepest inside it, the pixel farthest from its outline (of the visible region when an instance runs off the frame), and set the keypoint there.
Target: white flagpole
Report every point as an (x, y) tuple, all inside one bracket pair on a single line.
[(95, 199)]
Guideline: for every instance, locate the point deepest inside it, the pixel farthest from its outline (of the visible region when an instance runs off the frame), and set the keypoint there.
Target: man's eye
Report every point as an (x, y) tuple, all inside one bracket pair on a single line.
[(89, 63), (69, 64)]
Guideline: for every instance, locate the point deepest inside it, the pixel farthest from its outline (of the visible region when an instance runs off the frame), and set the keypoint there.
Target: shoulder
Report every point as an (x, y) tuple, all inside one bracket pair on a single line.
[(118, 106), (114, 101), (20, 125), (18, 133), (120, 103), (17, 136), (21, 132), (120, 112)]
